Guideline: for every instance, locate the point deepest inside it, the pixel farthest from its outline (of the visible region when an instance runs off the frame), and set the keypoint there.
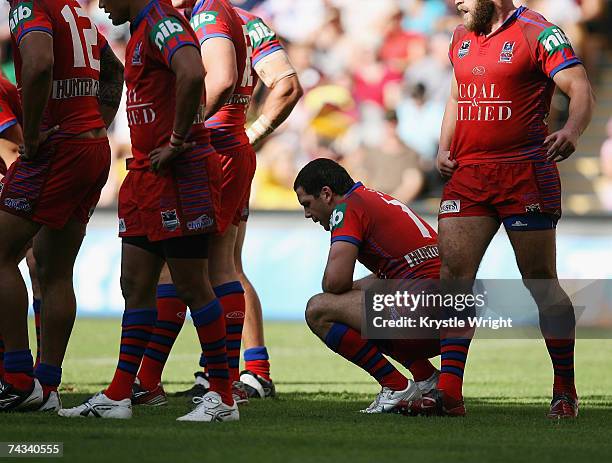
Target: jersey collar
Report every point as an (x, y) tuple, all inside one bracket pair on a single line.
[(141, 15), (353, 188), (519, 11)]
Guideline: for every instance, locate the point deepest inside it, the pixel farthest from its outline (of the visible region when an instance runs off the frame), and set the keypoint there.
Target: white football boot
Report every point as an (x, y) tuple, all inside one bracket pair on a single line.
[(52, 404), (390, 401), (100, 406), (430, 383), (210, 408)]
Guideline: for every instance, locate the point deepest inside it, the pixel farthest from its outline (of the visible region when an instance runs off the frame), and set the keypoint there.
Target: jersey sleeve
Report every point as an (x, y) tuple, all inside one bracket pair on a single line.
[(346, 225), (102, 42), (553, 51), (263, 39), (212, 22), (169, 35), (26, 17)]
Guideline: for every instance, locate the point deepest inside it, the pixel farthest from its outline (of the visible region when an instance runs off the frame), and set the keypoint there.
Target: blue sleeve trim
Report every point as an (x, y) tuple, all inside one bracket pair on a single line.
[(562, 66), (8, 124), (23, 33), (178, 47), (267, 53), (212, 36), (347, 239)]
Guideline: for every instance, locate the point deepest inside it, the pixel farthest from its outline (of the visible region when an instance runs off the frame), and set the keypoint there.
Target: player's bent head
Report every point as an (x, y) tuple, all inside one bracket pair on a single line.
[(319, 186), (119, 11)]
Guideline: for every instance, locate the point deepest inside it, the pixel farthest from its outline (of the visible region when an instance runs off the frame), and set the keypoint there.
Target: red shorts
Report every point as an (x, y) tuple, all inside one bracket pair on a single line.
[(502, 190), (408, 350), (63, 182), (182, 201), (238, 171)]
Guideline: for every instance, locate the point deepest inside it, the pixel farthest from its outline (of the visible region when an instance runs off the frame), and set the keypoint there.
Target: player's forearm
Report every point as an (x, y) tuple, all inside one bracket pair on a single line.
[(276, 108), (36, 82), (360, 284), (187, 85), (218, 90), (111, 85), (582, 103), (448, 125)]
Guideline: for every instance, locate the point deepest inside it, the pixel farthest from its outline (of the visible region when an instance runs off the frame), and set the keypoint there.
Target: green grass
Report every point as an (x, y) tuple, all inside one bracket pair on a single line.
[(315, 416)]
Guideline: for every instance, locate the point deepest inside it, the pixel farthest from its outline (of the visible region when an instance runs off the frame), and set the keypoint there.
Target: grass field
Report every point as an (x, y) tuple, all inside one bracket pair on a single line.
[(315, 417)]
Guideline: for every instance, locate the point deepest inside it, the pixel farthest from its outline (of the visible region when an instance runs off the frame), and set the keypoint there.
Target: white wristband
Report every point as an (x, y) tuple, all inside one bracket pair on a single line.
[(259, 129)]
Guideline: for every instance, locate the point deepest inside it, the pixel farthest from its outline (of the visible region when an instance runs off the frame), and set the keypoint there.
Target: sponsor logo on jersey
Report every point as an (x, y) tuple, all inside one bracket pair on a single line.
[(19, 204), (259, 32), (164, 30), (336, 220), (464, 49), (137, 55), (535, 207), (201, 223), (450, 206), (139, 112), (482, 102), (73, 88), (418, 256), (122, 227), (206, 18), (170, 220), (507, 52), (21, 13), (479, 71), (554, 39)]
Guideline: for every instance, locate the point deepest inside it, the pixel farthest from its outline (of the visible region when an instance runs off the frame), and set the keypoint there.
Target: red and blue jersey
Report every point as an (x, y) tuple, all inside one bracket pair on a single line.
[(73, 104), (505, 88), (10, 106), (158, 32), (393, 241), (217, 18), (263, 39)]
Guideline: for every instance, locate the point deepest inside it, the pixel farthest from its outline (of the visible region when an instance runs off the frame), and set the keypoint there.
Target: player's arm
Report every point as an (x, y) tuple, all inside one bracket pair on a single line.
[(36, 49), (446, 165), (219, 59), (187, 67), (111, 84), (338, 276), (277, 73), (574, 82), (362, 282)]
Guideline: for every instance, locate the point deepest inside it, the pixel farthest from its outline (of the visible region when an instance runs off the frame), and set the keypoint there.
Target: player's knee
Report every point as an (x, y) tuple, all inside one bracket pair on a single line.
[(315, 312), (456, 271), (133, 290)]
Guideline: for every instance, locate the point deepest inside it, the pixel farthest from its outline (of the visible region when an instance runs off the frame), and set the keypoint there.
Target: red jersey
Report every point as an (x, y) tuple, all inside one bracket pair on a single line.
[(73, 104), (217, 18), (505, 88), (393, 241), (157, 33), (10, 106)]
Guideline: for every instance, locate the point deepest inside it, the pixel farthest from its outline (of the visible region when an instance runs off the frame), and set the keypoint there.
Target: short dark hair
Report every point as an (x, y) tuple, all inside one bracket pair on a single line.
[(323, 172)]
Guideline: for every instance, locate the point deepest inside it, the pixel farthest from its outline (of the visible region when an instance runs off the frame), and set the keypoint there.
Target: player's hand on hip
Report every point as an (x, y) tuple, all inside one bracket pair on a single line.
[(561, 144), (29, 149), (446, 166), (161, 157)]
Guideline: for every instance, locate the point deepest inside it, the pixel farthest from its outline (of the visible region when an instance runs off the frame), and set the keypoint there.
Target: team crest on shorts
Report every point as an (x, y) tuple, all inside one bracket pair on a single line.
[(122, 227), (507, 52), (170, 220), (464, 49), (450, 206)]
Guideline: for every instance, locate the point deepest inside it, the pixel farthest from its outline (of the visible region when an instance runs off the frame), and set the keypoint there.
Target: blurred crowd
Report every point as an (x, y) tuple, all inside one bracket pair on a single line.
[(376, 76)]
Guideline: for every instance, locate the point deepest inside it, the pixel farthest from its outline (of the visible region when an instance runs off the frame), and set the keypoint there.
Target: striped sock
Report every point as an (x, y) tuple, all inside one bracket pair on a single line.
[(561, 353), (348, 343), (18, 369), (36, 308), (49, 377), (136, 329), (256, 359), (1, 357), (421, 369), (210, 325), (170, 318), (453, 357), (231, 298)]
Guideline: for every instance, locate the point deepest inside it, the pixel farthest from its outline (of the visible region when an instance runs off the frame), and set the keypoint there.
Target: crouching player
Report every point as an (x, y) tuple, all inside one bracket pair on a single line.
[(379, 231), (167, 204)]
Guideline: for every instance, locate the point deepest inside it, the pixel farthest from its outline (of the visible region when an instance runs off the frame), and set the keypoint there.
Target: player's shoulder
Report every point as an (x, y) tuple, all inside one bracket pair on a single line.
[(532, 23), (246, 16), (460, 33)]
